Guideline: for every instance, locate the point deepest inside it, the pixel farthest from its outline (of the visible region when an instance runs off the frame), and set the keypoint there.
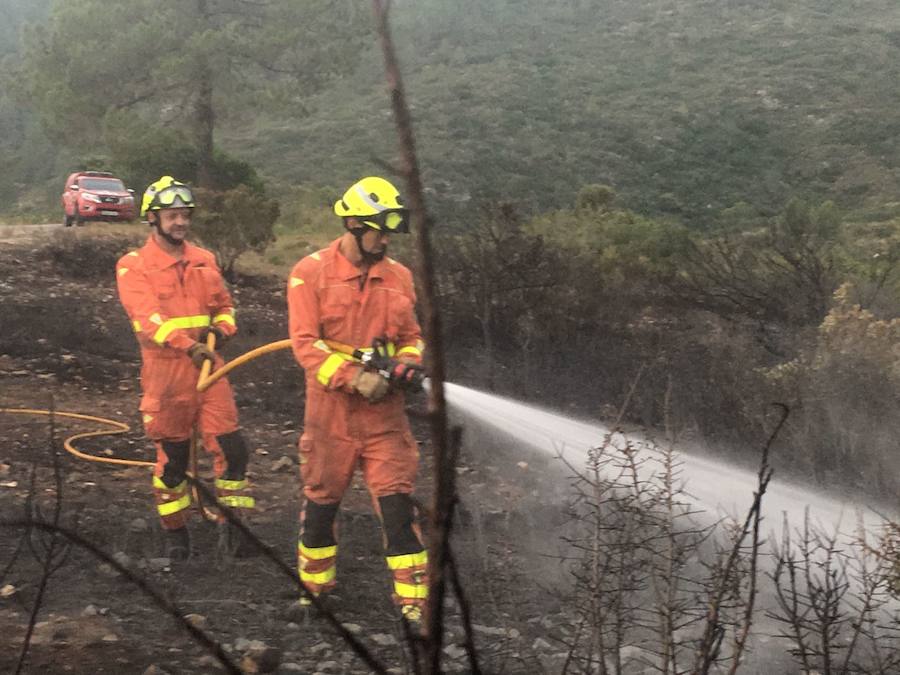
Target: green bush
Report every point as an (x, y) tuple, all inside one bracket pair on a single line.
[(233, 222)]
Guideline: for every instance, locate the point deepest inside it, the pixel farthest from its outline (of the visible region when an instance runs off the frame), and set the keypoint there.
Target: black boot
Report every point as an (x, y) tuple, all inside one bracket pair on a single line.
[(178, 544)]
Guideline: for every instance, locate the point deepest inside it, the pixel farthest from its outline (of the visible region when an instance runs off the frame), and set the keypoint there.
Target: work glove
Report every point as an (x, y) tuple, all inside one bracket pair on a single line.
[(221, 338), (373, 386), (199, 353), (407, 375)]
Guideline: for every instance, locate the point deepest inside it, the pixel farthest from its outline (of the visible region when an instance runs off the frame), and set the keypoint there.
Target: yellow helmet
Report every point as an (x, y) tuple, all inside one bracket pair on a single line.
[(167, 193), (377, 203)]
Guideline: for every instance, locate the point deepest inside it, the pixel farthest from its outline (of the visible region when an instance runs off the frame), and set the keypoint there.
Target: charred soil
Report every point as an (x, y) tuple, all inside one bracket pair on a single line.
[(65, 345)]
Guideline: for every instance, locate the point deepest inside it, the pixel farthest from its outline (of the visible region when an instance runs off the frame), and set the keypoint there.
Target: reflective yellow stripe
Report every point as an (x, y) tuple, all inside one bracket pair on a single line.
[(296, 281), (179, 322), (224, 318), (238, 502), (319, 553), (319, 577), (137, 326), (419, 591), (330, 366), (123, 271), (407, 560), (168, 508), (410, 350), (231, 484)]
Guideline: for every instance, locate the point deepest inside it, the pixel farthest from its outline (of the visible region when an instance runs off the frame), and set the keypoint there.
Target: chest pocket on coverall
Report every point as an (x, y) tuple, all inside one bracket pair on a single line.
[(337, 304)]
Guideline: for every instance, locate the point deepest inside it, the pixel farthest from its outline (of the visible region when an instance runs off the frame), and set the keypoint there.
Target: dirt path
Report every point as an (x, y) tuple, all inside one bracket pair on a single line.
[(21, 234)]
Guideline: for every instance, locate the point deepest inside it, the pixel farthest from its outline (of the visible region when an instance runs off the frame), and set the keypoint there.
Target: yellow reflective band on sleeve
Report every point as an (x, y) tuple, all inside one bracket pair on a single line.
[(123, 271), (168, 508), (407, 560), (319, 553), (238, 502), (319, 577), (410, 591), (415, 351), (179, 322), (330, 366), (296, 281), (224, 318), (137, 326), (231, 484)]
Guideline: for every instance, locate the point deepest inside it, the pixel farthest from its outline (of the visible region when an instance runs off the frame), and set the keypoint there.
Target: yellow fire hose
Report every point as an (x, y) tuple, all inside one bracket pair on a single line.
[(205, 381)]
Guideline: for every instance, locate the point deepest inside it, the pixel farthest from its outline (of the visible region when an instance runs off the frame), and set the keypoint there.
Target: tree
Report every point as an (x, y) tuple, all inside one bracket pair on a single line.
[(234, 222), (183, 66)]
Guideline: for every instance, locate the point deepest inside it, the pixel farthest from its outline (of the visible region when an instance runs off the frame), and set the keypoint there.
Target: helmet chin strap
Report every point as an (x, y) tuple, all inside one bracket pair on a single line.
[(368, 257), (165, 235)]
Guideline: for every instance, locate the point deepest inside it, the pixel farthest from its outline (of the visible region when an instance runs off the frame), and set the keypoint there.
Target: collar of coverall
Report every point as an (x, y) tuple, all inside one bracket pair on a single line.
[(346, 270), (163, 259)]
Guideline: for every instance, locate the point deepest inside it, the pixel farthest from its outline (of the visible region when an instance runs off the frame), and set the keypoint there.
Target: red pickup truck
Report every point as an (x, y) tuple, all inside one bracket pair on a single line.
[(96, 195)]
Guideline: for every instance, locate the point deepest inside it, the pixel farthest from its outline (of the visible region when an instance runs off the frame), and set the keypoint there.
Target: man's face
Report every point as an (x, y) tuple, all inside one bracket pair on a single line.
[(175, 222)]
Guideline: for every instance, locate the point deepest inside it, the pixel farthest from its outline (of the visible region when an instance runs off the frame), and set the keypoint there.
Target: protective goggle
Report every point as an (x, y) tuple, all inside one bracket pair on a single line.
[(167, 198), (396, 221)]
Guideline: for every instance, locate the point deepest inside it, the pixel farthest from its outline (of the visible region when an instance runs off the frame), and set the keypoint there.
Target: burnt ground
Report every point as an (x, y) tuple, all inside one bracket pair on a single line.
[(65, 344)]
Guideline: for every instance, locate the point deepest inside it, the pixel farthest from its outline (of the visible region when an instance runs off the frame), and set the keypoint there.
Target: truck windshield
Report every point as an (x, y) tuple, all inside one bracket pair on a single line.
[(111, 184)]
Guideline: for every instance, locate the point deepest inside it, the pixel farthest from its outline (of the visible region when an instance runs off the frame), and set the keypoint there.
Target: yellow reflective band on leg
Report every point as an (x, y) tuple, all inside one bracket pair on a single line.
[(410, 591), (168, 508), (319, 553), (223, 484), (407, 560), (330, 366), (236, 502), (177, 322), (319, 577)]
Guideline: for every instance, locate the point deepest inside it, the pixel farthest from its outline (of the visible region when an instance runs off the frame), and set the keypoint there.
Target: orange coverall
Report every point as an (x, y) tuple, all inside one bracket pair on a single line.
[(169, 303), (329, 299)]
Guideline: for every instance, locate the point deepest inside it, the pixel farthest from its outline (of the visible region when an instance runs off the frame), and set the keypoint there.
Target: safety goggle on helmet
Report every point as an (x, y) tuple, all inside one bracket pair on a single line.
[(167, 193), (376, 203)]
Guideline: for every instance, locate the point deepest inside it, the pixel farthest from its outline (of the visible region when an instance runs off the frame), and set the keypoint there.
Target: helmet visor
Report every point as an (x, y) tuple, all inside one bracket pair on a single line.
[(396, 220), (170, 197)]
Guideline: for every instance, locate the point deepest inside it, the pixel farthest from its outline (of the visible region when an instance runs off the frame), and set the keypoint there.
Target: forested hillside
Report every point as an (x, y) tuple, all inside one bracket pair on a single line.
[(684, 107), (25, 153)]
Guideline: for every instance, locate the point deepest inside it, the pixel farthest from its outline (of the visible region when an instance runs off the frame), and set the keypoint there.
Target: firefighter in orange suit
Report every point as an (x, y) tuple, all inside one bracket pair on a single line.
[(174, 295), (352, 293)]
